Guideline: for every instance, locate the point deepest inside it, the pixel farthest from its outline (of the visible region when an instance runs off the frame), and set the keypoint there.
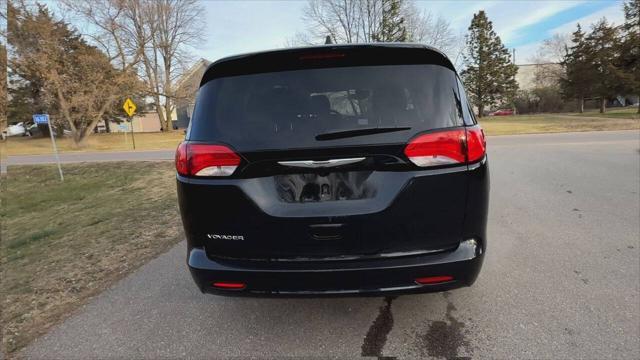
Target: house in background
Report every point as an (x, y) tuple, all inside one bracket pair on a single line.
[(146, 119), (186, 90)]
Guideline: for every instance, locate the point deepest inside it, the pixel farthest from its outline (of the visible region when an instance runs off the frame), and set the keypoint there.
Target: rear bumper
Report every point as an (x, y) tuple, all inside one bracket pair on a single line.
[(357, 277)]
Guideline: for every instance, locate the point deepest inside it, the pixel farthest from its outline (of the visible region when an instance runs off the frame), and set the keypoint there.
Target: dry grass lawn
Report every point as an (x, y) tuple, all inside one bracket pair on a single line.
[(96, 142), (553, 123), (65, 242)]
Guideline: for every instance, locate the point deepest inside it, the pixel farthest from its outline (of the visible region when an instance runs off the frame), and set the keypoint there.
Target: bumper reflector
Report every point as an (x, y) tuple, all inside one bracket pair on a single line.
[(431, 280), (229, 285)]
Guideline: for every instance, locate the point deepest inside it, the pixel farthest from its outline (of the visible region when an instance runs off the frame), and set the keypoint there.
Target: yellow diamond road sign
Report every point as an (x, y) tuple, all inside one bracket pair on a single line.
[(129, 107)]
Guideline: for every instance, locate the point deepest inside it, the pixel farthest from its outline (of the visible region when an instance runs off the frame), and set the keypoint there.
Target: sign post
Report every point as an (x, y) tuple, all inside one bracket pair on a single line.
[(130, 108), (44, 119), (124, 129)]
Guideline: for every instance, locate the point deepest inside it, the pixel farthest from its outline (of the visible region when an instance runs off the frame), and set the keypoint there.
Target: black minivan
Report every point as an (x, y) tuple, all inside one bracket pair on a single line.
[(333, 170)]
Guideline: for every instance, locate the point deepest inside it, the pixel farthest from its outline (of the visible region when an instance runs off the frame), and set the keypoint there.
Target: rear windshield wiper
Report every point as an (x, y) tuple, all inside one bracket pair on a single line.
[(357, 132)]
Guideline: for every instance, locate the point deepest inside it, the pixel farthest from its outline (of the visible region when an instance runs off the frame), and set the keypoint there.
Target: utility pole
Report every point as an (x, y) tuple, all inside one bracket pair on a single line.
[(513, 58)]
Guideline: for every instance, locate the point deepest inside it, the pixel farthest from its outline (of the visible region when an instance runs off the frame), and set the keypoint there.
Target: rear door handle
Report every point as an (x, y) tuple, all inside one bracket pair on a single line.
[(314, 164), (327, 231)]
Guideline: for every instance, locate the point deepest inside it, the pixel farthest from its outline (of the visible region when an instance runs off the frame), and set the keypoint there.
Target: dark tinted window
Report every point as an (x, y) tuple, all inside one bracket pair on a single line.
[(289, 109)]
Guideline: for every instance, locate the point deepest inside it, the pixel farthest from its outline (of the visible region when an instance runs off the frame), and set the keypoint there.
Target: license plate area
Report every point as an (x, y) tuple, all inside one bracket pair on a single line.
[(305, 188)]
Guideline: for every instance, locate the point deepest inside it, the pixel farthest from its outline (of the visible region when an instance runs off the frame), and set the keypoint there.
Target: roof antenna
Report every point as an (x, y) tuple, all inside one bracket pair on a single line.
[(327, 40)]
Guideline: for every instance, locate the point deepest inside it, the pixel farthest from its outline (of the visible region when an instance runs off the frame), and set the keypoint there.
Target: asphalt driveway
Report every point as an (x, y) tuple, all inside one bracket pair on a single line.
[(560, 280)]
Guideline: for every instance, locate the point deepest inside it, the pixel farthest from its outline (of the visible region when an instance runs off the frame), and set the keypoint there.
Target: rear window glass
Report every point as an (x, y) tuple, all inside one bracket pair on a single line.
[(289, 109)]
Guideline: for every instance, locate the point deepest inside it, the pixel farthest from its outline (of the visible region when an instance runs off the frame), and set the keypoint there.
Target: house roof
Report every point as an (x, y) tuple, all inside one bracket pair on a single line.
[(186, 78)]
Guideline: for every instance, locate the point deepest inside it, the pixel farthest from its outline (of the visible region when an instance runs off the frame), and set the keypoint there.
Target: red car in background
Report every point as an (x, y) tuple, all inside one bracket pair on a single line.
[(502, 112)]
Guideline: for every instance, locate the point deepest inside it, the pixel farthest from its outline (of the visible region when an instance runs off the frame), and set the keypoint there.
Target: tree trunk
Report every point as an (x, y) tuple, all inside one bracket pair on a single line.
[(79, 139), (167, 110), (603, 105), (168, 90), (480, 110), (581, 104), (159, 111)]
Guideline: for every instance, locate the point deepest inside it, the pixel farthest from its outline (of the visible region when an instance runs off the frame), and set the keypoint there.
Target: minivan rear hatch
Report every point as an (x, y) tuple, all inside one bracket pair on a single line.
[(321, 167)]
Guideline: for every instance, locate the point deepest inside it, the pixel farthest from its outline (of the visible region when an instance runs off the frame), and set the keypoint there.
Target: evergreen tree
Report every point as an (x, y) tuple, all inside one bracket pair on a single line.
[(630, 47), (489, 76), (603, 43), (579, 80), (393, 28)]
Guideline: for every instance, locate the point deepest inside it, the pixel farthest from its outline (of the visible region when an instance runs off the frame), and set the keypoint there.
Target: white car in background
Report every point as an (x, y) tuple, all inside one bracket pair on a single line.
[(21, 129), (15, 130)]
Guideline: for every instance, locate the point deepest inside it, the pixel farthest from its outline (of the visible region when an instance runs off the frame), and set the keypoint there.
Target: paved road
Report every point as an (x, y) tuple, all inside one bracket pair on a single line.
[(560, 280)]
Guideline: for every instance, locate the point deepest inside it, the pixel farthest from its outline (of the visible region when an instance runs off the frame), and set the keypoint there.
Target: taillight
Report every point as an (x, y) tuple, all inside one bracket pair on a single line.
[(437, 148), (476, 143), (205, 160), (447, 147)]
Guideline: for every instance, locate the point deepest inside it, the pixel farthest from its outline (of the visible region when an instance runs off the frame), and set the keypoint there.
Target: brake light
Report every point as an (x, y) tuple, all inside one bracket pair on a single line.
[(432, 280), (447, 147), (205, 160), (322, 56)]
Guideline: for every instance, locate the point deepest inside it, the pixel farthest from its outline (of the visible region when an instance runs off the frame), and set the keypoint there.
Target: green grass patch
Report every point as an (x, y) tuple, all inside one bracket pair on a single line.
[(553, 123), (630, 112), (63, 242)]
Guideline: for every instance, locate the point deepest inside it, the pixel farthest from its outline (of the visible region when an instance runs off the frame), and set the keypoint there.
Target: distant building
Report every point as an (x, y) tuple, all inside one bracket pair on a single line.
[(144, 121), (532, 76), (186, 90)]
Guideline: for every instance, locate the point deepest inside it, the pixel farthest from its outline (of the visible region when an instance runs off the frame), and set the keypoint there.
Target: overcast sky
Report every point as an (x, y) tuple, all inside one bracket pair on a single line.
[(242, 26)]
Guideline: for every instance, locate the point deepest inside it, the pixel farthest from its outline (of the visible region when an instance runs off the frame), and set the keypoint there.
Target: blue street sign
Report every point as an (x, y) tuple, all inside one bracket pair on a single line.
[(41, 118)]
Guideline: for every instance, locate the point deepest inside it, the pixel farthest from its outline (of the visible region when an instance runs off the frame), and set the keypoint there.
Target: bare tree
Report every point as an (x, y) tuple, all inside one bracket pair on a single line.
[(358, 21), (155, 34), (371, 20), (553, 49), (177, 23), (425, 28), (339, 19), (548, 58)]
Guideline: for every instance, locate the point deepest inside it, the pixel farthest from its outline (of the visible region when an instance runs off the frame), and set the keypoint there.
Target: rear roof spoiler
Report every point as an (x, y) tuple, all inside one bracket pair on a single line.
[(325, 56)]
